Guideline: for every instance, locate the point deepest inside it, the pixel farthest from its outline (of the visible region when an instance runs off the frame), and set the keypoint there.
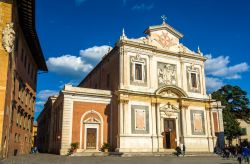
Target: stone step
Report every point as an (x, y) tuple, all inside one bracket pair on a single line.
[(118, 154), (92, 154)]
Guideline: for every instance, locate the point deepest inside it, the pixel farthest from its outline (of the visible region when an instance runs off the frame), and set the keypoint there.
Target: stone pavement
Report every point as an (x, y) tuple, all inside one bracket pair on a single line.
[(56, 159)]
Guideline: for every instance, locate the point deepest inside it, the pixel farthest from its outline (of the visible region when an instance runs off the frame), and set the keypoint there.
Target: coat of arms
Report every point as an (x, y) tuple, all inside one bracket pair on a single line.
[(8, 38)]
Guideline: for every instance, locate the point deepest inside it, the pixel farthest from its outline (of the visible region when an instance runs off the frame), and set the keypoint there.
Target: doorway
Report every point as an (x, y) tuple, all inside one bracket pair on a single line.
[(91, 138), (169, 134)]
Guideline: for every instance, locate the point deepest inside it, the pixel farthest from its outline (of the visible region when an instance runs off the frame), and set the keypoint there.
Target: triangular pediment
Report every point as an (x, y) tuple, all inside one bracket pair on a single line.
[(163, 37)]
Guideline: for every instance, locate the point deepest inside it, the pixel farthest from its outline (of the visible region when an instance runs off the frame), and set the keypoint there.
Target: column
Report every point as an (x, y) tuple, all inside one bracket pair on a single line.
[(150, 71), (183, 120), (209, 137), (203, 82), (153, 113), (158, 127)]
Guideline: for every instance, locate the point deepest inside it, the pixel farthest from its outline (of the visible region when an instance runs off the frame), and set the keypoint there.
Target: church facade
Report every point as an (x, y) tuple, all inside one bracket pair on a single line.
[(146, 95)]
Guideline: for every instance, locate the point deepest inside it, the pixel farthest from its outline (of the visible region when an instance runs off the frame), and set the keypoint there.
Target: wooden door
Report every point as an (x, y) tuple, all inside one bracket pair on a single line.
[(169, 139), (91, 138)]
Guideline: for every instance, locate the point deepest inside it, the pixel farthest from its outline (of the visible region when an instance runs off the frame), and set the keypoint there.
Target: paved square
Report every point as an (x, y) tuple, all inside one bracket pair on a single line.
[(56, 159)]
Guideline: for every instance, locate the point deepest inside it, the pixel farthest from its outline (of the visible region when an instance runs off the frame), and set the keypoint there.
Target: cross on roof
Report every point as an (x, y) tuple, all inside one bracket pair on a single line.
[(164, 18)]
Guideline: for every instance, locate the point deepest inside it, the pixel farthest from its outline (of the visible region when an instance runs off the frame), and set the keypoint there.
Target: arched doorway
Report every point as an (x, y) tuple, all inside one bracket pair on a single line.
[(91, 132), (169, 98)]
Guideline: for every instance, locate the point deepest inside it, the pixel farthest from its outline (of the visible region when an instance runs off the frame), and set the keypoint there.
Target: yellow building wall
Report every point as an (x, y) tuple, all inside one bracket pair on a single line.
[(5, 17)]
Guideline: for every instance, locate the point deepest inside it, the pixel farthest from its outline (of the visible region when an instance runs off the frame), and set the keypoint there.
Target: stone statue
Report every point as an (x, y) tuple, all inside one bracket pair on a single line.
[(8, 38)]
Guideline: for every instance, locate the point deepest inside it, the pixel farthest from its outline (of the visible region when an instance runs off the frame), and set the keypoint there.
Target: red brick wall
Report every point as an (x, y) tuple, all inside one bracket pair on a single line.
[(79, 108)]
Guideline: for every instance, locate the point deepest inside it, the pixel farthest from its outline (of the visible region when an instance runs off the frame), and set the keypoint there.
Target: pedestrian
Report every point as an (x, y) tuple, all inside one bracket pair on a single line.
[(239, 158), (183, 150)]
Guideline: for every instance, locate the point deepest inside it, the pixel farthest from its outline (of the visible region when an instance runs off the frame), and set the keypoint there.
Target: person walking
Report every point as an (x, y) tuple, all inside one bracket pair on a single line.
[(183, 150)]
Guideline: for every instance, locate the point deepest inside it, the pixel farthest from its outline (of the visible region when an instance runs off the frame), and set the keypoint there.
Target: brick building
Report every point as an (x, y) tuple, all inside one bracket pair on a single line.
[(145, 95), (21, 58)]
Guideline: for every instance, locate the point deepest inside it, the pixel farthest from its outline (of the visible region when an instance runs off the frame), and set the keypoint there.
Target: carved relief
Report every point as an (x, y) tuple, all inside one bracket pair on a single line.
[(8, 38), (164, 40), (137, 58), (166, 74), (168, 110), (168, 93)]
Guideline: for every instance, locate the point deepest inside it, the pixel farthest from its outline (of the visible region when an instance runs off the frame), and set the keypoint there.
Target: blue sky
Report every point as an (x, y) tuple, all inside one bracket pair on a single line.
[(72, 31)]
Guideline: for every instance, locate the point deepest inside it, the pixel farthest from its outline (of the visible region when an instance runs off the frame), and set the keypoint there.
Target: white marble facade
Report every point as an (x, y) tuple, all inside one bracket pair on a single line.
[(162, 85)]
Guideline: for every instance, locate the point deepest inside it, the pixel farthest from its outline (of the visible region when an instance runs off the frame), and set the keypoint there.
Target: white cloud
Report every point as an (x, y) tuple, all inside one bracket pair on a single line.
[(44, 94), (218, 67), (68, 65), (142, 7), (213, 84), (96, 52), (40, 102), (218, 70), (71, 82)]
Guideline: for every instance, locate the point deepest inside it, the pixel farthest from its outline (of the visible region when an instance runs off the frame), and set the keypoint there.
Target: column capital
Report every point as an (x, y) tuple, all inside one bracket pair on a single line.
[(124, 101)]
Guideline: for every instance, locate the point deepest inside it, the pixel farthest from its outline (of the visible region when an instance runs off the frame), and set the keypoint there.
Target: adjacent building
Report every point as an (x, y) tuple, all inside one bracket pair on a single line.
[(245, 134), (146, 95), (21, 58), (34, 135)]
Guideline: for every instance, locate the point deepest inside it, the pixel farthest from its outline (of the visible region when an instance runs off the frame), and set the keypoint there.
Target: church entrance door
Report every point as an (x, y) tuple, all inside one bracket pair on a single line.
[(169, 139), (91, 138)]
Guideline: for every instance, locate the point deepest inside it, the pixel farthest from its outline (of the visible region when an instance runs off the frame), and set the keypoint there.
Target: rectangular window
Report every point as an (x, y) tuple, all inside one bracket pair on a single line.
[(26, 99), (243, 131), (24, 122), (138, 71), (16, 137), (194, 80), (20, 89), (20, 121), (17, 118)]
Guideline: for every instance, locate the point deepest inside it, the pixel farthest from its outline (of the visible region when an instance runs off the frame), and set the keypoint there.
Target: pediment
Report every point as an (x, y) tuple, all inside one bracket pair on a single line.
[(168, 93), (171, 91), (91, 120), (168, 109)]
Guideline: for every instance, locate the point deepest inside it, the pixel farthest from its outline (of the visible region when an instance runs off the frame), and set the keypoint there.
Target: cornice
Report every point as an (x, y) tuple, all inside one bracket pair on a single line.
[(154, 49)]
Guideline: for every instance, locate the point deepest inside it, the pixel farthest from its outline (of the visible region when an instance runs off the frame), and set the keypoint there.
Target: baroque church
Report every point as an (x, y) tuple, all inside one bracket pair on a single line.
[(145, 95)]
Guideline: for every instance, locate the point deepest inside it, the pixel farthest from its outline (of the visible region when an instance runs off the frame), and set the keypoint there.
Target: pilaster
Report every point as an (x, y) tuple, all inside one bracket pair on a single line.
[(67, 116)]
